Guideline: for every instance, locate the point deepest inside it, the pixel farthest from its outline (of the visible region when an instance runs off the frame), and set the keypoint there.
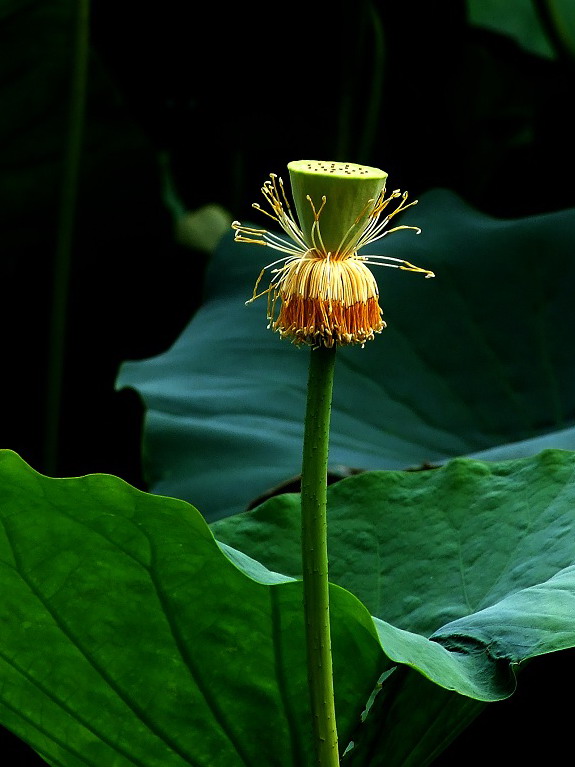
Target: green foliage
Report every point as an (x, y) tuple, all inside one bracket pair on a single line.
[(478, 358), (130, 638), (543, 27), (478, 556), (402, 731), (444, 552), (517, 18), (474, 525)]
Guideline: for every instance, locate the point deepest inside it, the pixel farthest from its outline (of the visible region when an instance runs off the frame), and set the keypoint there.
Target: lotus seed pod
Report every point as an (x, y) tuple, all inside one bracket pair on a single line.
[(350, 191)]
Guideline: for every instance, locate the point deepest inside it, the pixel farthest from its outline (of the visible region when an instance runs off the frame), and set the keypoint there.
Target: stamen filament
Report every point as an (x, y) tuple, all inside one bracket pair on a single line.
[(352, 245)]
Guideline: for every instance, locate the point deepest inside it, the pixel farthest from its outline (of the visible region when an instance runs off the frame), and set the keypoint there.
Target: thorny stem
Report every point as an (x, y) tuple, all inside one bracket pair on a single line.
[(314, 555)]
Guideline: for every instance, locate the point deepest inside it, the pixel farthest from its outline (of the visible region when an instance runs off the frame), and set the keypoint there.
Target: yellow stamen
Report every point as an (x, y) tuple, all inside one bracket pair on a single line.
[(324, 302), (324, 298)]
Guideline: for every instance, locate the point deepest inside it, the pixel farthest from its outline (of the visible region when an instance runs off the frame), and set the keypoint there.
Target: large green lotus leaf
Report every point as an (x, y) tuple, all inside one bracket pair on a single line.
[(482, 531), (477, 358), (478, 556), (128, 638)]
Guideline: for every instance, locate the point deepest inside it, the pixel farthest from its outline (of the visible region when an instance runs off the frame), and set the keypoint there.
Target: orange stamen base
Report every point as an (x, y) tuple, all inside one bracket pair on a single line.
[(320, 322)]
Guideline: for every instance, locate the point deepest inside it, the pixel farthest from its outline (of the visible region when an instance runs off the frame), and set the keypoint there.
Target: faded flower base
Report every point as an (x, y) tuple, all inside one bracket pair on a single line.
[(326, 302)]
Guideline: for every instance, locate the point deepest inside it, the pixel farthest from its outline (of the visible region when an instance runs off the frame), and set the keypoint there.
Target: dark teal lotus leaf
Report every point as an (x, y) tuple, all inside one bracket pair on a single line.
[(478, 358)]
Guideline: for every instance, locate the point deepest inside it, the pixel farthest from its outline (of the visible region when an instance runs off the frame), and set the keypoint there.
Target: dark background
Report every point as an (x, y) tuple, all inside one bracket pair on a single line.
[(220, 101), (213, 99)]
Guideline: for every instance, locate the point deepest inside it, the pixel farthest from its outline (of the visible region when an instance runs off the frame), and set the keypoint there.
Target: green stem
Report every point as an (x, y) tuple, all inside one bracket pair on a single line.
[(314, 555), (67, 214)]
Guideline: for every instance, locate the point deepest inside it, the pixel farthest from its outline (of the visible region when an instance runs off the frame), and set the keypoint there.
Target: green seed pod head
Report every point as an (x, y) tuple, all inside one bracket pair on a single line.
[(350, 191)]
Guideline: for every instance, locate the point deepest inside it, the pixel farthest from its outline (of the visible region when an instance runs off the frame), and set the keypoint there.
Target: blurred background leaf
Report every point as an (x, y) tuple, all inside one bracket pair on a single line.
[(543, 27), (516, 18), (477, 358)]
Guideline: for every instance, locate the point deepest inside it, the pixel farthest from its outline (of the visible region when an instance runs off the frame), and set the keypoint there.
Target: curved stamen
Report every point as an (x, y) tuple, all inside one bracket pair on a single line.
[(343, 251), (264, 237), (315, 226), (405, 266), (375, 228)]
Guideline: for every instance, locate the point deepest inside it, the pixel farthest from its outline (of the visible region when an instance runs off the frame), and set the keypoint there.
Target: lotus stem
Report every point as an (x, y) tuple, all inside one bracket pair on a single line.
[(315, 557)]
